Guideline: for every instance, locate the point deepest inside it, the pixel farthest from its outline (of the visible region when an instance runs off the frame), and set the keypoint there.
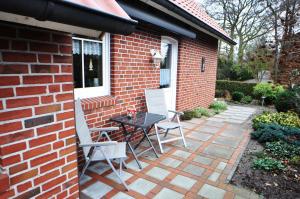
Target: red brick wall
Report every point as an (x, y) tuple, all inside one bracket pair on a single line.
[(196, 88), (37, 136)]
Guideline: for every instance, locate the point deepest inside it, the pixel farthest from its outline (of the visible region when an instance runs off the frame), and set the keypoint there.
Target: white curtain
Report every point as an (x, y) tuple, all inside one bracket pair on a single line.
[(89, 47)]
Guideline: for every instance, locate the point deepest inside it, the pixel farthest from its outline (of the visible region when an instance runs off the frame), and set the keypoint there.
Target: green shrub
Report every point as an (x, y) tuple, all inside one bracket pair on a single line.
[(246, 99), (284, 119), (268, 90), (295, 160), (219, 93), (218, 106), (187, 115), (274, 132), (232, 86), (282, 150), (268, 164), (237, 96), (204, 112), (288, 100)]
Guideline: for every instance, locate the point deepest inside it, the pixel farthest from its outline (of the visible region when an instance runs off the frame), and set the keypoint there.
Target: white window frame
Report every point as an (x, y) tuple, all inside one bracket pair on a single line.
[(105, 88)]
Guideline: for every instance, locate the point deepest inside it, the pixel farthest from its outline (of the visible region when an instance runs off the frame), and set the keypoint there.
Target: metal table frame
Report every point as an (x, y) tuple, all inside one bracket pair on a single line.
[(128, 135)]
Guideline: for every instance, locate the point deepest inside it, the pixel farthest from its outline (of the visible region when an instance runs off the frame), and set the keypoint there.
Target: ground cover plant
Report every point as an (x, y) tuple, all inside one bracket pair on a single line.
[(271, 162)]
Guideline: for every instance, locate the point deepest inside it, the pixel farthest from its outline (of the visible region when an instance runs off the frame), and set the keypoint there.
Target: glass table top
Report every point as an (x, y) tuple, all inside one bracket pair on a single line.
[(142, 119)]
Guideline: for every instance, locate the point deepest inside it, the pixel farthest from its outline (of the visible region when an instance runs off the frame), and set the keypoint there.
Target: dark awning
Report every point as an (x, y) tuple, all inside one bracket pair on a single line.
[(143, 15), (99, 15)]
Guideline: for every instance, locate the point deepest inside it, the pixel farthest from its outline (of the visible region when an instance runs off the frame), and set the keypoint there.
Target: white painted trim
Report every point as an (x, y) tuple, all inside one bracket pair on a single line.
[(101, 90), (4, 16), (173, 82)]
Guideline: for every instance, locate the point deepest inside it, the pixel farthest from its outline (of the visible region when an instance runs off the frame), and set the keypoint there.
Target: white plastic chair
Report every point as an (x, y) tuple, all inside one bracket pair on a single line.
[(155, 100), (97, 151)]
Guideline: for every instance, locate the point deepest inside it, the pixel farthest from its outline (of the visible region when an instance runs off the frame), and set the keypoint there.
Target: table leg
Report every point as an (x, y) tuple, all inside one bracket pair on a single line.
[(146, 134), (127, 140)]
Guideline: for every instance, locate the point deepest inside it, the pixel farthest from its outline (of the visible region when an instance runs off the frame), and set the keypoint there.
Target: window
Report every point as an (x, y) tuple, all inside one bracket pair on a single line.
[(91, 63), (165, 66)]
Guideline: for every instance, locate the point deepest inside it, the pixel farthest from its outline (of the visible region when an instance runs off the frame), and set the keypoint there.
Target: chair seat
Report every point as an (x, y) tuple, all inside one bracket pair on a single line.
[(112, 151), (168, 125)]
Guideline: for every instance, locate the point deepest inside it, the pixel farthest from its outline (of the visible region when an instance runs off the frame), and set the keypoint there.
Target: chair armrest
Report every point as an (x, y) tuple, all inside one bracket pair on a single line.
[(104, 129), (176, 112), (95, 144)]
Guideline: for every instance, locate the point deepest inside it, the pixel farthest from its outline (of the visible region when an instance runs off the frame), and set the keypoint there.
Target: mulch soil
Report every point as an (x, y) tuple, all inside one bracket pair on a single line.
[(273, 185)]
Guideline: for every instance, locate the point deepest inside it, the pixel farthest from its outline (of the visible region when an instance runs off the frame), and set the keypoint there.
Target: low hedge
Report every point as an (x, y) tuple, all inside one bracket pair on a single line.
[(232, 86)]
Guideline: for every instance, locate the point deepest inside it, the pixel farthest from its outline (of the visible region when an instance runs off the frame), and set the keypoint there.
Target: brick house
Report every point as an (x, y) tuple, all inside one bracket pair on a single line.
[(52, 52)]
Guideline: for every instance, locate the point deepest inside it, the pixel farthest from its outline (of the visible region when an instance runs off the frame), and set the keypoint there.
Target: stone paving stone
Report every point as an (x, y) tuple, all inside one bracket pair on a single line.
[(188, 125), (221, 166), (99, 168), (196, 121), (168, 193), (214, 176), (216, 124), (158, 173), (84, 179), (142, 186), (231, 142), (208, 129), (171, 162), (134, 166), (191, 144), (211, 192), (183, 182), (124, 175), (199, 136), (97, 190), (181, 154), (219, 151), (122, 195), (203, 160), (194, 170), (232, 132)]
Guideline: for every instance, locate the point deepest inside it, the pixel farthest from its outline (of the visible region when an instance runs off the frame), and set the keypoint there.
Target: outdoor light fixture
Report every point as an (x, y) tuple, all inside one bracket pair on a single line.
[(156, 57), (203, 64)]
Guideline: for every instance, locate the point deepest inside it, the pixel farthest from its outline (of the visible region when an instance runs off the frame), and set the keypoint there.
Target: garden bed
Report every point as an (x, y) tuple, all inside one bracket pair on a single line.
[(275, 184)]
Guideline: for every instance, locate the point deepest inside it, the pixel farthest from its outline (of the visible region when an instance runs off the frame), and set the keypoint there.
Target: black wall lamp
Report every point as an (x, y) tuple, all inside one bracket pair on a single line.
[(203, 64)]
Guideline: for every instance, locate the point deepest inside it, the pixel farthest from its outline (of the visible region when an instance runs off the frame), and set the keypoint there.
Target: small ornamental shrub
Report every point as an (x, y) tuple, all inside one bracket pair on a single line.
[(288, 100), (218, 106), (267, 164), (204, 112), (187, 115), (237, 96), (295, 160), (268, 90), (284, 119), (246, 99), (219, 93), (282, 150), (274, 132)]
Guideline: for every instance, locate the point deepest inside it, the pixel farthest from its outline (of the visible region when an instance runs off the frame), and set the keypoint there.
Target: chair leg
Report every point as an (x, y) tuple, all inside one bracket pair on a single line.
[(158, 139), (118, 174), (182, 136), (87, 163)]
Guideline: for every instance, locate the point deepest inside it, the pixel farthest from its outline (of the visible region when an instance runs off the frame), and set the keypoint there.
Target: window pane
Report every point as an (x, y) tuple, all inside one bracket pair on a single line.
[(77, 63), (165, 67), (93, 69)]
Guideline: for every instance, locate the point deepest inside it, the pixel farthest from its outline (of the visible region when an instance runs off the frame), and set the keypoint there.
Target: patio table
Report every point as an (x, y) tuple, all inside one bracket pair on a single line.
[(144, 121)]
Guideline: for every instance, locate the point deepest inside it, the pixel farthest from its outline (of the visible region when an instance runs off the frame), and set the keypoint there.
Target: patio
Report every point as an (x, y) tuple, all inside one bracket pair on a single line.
[(200, 171)]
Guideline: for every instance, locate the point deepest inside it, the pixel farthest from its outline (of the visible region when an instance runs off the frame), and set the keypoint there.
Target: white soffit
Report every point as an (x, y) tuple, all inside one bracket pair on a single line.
[(4, 16), (173, 14)]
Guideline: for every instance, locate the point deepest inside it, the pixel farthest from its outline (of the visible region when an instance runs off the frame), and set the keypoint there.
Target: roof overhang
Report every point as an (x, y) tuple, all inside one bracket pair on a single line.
[(88, 14), (180, 14)]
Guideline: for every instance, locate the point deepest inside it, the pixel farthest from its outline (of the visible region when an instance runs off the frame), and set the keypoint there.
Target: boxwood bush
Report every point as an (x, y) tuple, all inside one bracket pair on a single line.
[(232, 86), (237, 96)]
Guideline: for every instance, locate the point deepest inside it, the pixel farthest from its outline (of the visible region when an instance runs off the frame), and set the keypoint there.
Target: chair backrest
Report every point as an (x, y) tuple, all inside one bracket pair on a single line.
[(156, 103), (82, 128)]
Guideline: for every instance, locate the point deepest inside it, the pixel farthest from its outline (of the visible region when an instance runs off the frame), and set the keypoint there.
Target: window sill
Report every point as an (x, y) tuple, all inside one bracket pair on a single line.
[(98, 102)]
